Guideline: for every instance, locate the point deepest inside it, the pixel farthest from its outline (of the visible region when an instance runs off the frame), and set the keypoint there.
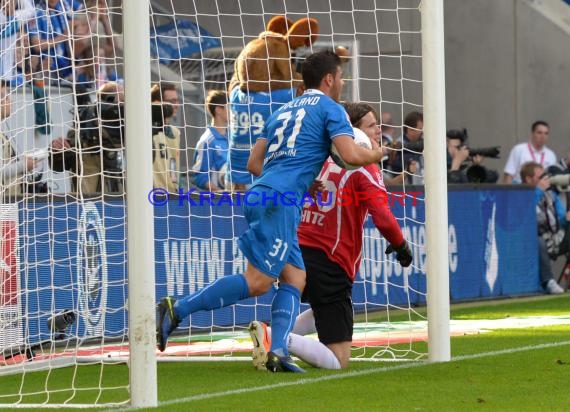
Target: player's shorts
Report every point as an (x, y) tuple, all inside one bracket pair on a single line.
[(271, 240), (329, 291)]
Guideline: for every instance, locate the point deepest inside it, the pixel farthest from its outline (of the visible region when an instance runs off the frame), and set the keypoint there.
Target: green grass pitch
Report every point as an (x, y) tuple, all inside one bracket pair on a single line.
[(523, 369)]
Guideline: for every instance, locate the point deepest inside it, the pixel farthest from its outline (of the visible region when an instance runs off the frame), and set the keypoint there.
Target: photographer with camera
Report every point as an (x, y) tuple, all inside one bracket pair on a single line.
[(464, 163), (94, 148), (553, 224), (165, 137), (404, 161)]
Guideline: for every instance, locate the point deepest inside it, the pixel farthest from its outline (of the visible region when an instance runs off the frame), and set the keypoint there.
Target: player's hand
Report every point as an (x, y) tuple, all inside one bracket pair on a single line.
[(403, 253), (30, 163), (60, 144), (316, 187)]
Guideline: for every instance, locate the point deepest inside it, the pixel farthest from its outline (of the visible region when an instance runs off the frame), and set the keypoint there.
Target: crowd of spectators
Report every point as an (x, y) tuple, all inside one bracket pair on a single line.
[(57, 40)]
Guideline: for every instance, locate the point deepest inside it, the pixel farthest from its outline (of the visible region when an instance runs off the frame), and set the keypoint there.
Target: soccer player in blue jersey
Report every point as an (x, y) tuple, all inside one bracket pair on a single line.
[(249, 111), (289, 154)]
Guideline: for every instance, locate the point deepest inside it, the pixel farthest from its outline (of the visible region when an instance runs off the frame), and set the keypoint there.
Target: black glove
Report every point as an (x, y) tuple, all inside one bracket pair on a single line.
[(403, 253)]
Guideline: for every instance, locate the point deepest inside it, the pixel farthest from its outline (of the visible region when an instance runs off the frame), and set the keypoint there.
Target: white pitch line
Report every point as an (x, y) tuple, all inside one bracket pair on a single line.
[(351, 374)]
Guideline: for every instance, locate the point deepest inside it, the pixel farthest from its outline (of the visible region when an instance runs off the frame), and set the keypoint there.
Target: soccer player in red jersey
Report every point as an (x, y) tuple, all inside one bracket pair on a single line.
[(330, 236)]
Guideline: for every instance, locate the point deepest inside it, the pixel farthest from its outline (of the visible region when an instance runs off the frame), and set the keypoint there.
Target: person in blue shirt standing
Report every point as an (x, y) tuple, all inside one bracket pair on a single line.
[(289, 154), (249, 111), (210, 157)]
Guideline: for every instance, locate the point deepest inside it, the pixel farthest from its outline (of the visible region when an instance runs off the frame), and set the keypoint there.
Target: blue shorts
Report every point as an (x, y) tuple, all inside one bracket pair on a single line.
[(271, 240)]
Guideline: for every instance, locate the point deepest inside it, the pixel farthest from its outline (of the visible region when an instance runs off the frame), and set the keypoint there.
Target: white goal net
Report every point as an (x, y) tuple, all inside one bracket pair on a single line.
[(64, 334)]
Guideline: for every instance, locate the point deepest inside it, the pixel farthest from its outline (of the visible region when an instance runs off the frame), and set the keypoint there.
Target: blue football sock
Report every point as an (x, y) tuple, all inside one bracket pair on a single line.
[(223, 292), (284, 311)]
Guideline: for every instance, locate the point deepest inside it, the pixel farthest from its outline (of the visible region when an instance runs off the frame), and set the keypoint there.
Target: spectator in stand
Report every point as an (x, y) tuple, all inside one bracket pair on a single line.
[(211, 155), (93, 44), (165, 137), (553, 233), (405, 162), (534, 150), (13, 167), (50, 40), (14, 15)]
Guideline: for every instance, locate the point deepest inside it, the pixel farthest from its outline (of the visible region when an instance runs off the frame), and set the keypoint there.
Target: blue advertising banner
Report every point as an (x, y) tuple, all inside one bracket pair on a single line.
[(73, 255)]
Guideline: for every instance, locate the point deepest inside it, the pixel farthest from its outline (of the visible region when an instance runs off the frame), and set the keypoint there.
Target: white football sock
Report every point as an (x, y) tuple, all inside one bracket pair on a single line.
[(312, 351), (305, 323)]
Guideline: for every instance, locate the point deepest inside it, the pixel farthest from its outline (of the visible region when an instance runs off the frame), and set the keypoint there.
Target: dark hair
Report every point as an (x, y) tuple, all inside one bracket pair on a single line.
[(412, 119), (215, 98), (539, 123), (317, 66), (457, 134), (356, 111), (157, 90), (528, 168)]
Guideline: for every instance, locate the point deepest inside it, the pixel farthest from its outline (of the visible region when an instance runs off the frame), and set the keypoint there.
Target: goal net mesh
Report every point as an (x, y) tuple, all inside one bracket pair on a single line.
[(63, 294)]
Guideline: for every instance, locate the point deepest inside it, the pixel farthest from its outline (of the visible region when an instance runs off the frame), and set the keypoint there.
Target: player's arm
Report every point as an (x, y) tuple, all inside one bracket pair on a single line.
[(378, 207), (255, 161), (356, 155)]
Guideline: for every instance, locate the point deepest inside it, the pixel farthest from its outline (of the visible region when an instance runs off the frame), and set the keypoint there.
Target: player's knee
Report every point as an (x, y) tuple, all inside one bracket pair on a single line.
[(257, 282), (294, 277)]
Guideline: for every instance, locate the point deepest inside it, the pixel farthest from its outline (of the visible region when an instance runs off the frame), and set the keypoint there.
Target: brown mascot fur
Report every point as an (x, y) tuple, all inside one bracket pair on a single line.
[(265, 62)]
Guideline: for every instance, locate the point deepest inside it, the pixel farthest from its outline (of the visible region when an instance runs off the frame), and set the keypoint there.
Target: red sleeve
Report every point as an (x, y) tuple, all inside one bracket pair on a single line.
[(378, 205)]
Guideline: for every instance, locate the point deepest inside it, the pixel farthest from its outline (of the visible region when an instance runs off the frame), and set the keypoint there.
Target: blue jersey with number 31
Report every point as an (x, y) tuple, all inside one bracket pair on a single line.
[(299, 136)]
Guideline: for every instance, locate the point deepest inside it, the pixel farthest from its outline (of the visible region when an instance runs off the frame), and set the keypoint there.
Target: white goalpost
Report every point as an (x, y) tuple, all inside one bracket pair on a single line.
[(87, 244), (437, 266), (140, 222)]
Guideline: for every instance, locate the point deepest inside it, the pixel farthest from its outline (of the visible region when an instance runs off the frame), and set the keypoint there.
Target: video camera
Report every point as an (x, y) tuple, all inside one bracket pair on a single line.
[(160, 111), (491, 152), (102, 124), (107, 116)]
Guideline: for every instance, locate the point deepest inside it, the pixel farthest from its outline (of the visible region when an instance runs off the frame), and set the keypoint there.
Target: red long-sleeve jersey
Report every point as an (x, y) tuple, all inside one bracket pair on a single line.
[(334, 222)]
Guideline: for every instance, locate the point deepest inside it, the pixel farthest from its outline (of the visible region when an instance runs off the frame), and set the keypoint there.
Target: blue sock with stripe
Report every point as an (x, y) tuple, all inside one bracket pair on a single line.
[(284, 311), (223, 292)]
